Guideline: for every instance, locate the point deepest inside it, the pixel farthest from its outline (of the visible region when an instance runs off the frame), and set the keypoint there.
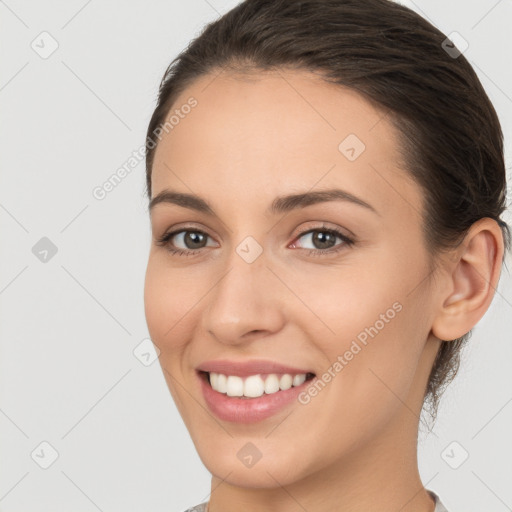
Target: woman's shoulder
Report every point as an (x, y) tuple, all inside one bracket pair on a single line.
[(202, 507), (439, 505)]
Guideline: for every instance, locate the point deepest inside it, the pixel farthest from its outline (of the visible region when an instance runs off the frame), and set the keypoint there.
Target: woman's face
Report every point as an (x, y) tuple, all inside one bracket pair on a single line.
[(277, 285)]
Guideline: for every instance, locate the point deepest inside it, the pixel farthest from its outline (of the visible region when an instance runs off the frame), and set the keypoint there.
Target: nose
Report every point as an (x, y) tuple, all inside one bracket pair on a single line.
[(245, 303)]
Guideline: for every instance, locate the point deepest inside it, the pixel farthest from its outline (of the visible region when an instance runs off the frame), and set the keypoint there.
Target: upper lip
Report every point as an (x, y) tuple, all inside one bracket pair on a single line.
[(245, 368)]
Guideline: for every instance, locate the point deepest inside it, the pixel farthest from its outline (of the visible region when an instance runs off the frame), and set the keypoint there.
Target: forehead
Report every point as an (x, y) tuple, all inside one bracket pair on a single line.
[(276, 132)]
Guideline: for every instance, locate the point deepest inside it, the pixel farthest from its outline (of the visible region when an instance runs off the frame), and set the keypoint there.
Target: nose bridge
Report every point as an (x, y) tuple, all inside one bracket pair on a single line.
[(242, 300)]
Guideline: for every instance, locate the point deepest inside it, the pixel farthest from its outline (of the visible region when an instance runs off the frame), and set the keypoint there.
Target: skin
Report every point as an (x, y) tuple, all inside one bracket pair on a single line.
[(353, 446)]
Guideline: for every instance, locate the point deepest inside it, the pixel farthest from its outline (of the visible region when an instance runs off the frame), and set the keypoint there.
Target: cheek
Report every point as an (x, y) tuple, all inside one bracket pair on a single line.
[(376, 330), (169, 299), (371, 367), (379, 356), (168, 305)]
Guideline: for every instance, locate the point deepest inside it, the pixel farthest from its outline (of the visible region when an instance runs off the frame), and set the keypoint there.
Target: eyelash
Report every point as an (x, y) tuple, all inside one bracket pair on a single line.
[(164, 241)]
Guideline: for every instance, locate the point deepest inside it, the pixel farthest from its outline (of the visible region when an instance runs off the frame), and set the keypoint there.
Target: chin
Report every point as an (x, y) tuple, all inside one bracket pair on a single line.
[(270, 471)]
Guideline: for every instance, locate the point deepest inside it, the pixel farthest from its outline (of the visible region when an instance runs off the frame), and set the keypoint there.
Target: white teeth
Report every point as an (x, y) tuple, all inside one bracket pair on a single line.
[(254, 386), (271, 384), (235, 386), (286, 381), (214, 379), (299, 379), (222, 384)]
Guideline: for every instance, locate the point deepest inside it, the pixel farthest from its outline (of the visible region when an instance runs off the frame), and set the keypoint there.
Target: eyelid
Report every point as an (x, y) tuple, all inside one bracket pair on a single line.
[(186, 227), (319, 225), (347, 240), (302, 230)]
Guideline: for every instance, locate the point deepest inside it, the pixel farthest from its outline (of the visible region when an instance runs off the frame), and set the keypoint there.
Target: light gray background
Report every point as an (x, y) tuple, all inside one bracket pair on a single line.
[(69, 326)]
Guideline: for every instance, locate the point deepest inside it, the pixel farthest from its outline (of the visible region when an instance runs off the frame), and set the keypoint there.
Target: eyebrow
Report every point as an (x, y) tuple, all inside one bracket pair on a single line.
[(280, 204)]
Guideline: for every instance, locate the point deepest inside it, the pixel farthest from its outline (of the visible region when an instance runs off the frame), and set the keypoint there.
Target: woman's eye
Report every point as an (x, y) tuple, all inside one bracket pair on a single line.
[(191, 240), (324, 241), (188, 242)]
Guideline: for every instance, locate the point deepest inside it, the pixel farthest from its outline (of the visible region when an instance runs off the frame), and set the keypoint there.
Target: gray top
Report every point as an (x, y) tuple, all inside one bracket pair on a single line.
[(202, 507)]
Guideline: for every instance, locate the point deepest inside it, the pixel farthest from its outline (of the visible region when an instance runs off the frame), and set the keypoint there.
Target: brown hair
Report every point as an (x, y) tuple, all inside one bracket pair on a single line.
[(450, 135)]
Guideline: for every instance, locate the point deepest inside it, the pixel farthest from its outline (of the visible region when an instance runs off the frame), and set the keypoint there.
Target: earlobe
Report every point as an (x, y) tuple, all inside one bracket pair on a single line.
[(472, 280)]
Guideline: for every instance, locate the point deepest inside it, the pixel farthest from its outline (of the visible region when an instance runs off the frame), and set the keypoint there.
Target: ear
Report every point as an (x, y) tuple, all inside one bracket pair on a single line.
[(472, 278)]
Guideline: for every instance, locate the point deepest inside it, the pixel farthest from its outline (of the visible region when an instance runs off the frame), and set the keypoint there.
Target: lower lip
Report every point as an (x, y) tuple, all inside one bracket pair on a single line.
[(250, 410)]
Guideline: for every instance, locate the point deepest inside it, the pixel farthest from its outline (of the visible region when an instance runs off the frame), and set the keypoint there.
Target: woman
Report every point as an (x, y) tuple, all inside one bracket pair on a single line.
[(326, 181)]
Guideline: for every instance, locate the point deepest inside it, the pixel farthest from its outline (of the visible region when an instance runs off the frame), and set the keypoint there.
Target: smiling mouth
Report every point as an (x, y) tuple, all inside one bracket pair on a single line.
[(253, 386)]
